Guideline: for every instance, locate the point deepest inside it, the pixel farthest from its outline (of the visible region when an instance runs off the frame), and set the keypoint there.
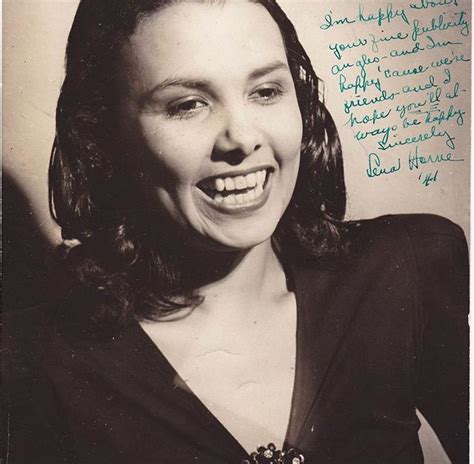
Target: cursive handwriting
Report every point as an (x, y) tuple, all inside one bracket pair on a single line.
[(402, 73), (432, 43), (448, 61), (415, 159), (387, 14), (376, 169), (375, 41), (420, 69), (421, 137), (439, 116), (455, 92), (361, 83), (402, 109), (338, 48), (440, 24), (330, 21), (365, 101), (386, 131), (421, 87), (423, 4), (373, 118), (404, 52)]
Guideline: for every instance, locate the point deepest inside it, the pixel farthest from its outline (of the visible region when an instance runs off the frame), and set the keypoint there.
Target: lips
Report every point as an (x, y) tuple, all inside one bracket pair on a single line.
[(235, 190)]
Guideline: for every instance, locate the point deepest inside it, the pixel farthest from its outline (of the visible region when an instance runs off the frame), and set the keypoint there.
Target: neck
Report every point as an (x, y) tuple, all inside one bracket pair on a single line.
[(253, 275), (235, 278)]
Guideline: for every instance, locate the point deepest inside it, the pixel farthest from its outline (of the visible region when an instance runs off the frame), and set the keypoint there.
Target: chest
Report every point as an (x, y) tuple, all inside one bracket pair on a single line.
[(245, 378)]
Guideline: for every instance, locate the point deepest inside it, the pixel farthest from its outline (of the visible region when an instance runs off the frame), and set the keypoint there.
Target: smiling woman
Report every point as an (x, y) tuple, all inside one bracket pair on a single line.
[(220, 301), (230, 112)]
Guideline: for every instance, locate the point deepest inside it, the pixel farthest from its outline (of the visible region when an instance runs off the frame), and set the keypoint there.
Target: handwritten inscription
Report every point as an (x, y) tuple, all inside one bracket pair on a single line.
[(401, 70), (376, 169)]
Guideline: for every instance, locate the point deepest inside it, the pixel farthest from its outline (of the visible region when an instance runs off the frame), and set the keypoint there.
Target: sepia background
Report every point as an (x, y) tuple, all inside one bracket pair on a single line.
[(34, 39)]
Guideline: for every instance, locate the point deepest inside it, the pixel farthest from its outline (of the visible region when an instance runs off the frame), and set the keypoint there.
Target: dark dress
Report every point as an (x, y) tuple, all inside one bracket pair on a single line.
[(380, 332)]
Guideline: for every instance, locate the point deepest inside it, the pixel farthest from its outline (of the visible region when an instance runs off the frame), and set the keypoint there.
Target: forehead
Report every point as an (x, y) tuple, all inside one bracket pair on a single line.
[(230, 37)]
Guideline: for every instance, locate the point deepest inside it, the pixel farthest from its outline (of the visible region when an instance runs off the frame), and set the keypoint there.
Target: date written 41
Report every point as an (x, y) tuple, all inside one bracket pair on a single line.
[(428, 178)]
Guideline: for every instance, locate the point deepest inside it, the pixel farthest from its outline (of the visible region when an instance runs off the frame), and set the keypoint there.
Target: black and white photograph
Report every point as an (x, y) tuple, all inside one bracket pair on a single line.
[(236, 231)]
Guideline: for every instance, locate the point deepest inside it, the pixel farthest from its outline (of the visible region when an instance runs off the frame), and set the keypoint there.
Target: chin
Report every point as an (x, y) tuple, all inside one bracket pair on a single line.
[(234, 228), (247, 237), (235, 239), (244, 243)]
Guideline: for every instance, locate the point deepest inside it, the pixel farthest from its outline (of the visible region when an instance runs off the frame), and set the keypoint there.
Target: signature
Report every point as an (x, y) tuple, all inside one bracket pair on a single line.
[(416, 159), (376, 169)]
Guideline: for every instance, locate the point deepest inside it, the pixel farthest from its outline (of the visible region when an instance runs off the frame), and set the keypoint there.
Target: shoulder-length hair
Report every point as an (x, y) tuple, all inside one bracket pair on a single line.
[(126, 255)]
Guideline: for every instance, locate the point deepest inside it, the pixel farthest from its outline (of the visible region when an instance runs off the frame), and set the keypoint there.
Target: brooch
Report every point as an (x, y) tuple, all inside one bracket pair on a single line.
[(270, 455)]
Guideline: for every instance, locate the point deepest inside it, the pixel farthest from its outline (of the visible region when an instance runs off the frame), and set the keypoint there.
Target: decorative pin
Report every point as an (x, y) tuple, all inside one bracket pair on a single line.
[(270, 455)]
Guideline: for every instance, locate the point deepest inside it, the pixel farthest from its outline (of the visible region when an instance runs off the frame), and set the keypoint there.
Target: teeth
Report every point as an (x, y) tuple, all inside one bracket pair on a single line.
[(261, 176), (240, 183), (229, 184), (240, 198), (251, 180), (229, 199)]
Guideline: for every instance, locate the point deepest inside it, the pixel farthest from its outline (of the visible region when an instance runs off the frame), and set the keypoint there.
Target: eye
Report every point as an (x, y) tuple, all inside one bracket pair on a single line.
[(185, 109), (267, 94)]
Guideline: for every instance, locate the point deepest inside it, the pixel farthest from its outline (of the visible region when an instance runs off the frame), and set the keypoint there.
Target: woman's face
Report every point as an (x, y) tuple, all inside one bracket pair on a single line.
[(209, 96)]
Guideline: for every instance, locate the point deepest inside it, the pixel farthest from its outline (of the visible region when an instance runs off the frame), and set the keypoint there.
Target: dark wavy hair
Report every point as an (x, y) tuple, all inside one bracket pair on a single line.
[(124, 253)]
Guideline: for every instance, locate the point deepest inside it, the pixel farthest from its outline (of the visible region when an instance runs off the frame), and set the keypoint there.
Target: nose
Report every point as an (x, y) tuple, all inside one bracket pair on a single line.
[(239, 135)]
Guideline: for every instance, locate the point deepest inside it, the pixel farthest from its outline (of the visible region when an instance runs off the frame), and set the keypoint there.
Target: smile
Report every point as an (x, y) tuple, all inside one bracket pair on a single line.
[(241, 193), (237, 190)]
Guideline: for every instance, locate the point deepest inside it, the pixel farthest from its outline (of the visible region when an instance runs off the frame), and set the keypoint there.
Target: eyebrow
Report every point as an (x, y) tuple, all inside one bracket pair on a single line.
[(260, 72), (205, 85)]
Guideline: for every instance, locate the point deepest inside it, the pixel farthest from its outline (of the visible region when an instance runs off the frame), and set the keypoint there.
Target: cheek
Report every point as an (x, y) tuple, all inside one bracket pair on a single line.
[(287, 132), (177, 155)]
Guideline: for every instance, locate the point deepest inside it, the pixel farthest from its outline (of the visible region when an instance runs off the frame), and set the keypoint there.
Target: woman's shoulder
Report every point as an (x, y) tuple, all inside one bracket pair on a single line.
[(416, 225), (412, 243), (415, 244), (428, 251), (420, 233)]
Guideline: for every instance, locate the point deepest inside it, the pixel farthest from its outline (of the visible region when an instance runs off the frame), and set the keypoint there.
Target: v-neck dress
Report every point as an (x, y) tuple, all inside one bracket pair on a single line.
[(381, 331)]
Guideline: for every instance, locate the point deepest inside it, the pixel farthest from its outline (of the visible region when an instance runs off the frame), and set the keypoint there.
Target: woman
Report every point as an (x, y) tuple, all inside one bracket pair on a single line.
[(221, 302)]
